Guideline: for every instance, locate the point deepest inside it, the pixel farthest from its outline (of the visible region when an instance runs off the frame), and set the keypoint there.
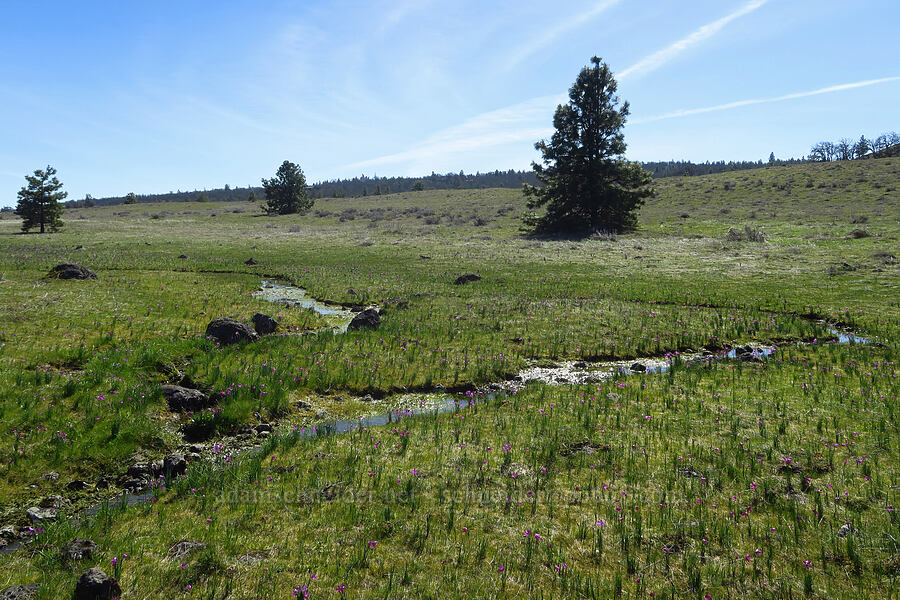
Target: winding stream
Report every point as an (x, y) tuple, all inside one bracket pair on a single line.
[(561, 373)]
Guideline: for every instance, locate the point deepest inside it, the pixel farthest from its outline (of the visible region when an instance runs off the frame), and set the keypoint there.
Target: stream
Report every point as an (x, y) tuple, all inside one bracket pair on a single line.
[(413, 404)]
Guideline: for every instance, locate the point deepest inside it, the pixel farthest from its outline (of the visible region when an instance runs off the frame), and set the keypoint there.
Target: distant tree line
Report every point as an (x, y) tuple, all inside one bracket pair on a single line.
[(848, 149), (845, 149), (374, 186)]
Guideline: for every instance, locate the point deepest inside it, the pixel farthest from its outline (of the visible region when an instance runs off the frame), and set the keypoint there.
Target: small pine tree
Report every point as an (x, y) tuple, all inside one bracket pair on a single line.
[(39, 201), (286, 192)]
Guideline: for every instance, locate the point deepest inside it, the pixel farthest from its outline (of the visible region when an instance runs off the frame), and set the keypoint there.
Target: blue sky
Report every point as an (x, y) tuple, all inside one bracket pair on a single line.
[(153, 97)]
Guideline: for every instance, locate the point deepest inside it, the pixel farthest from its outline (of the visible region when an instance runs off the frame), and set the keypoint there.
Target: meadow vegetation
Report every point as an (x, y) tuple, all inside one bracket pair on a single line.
[(721, 479)]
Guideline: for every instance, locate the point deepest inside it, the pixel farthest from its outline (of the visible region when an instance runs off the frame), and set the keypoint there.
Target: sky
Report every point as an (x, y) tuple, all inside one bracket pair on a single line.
[(156, 97)]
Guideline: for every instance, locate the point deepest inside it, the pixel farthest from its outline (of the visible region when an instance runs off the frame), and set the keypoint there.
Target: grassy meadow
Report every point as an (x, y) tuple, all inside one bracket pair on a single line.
[(717, 480)]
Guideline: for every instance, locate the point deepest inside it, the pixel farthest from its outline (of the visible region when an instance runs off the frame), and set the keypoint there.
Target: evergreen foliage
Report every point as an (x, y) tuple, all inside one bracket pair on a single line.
[(588, 185), (39, 201), (286, 192)]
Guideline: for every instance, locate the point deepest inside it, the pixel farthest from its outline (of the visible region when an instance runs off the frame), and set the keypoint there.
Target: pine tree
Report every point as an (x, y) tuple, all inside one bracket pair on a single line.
[(588, 186), (39, 201), (286, 192)]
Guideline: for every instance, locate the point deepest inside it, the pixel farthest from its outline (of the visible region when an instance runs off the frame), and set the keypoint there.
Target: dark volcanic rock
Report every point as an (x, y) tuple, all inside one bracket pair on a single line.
[(264, 324), (97, 585), (182, 399), (466, 278), (638, 368), (369, 318), (749, 357), (251, 261), (182, 256), (77, 485), (230, 331), (174, 464), (20, 592), (78, 549), (71, 271)]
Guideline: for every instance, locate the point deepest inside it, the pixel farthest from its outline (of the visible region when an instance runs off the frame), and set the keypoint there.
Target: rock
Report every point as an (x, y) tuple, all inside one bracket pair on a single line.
[(229, 331), (638, 368), (264, 324), (102, 483), (133, 484), (79, 247), (749, 357), (51, 476), (53, 501), (140, 470), (20, 592), (71, 271), (40, 515), (77, 485), (182, 399), (192, 457), (369, 318), (302, 405), (264, 434), (463, 279), (367, 398), (182, 256), (251, 261), (263, 428), (845, 530), (97, 585), (9, 532), (183, 548), (78, 549), (322, 415), (174, 464)]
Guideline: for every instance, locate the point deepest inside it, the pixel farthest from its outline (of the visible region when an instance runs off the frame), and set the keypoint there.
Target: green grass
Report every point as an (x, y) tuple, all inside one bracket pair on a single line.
[(81, 363)]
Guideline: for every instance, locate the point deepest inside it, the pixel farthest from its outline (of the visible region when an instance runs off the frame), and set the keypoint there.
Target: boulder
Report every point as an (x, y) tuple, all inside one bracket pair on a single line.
[(182, 256), (97, 585), (749, 357), (264, 324), (182, 399), (230, 331), (251, 261), (638, 368), (462, 279), (53, 501), (263, 428), (71, 271), (77, 485), (20, 592), (140, 470), (78, 549), (40, 515), (369, 318), (174, 464)]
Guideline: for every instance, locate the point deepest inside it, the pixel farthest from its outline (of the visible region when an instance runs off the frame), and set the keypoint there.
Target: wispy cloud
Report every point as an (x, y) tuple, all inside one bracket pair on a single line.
[(660, 57), (517, 123), (524, 121), (740, 103), (552, 34)]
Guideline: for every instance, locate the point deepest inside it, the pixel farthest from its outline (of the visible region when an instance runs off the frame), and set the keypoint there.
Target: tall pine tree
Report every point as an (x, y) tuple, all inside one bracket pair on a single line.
[(588, 186), (39, 201)]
